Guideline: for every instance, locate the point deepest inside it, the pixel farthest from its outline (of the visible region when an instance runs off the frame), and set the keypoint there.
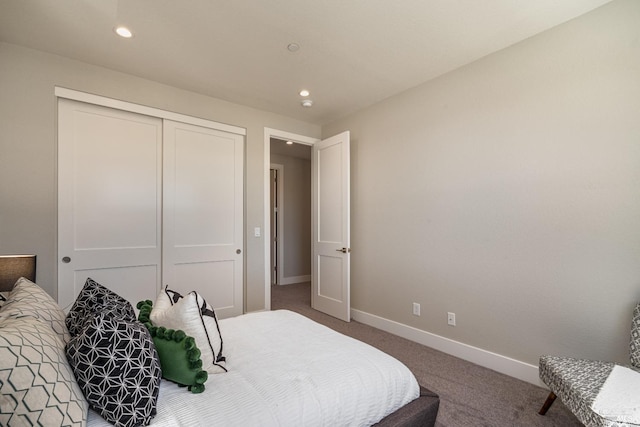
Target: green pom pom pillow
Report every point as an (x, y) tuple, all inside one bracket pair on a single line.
[(179, 356)]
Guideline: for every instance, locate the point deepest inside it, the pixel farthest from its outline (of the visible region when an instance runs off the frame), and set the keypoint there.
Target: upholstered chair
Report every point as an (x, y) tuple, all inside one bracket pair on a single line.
[(577, 382)]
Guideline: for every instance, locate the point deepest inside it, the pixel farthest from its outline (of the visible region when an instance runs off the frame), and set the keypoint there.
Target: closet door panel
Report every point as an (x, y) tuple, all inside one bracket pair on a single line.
[(203, 214), (115, 182), (218, 273), (109, 201), (135, 283), (204, 202)]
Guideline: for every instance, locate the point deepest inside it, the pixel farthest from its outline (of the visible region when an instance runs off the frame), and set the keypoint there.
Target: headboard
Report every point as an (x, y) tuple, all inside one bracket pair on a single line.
[(12, 267)]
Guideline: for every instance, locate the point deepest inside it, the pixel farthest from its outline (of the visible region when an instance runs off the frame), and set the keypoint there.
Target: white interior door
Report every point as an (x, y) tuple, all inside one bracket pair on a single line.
[(331, 241), (204, 214), (109, 201)]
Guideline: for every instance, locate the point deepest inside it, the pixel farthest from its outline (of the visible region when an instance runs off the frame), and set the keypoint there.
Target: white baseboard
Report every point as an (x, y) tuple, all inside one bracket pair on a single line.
[(295, 279), (503, 364)]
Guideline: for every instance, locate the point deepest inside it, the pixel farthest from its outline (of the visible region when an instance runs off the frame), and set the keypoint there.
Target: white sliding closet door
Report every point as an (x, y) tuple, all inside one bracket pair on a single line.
[(203, 214), (109, 201)]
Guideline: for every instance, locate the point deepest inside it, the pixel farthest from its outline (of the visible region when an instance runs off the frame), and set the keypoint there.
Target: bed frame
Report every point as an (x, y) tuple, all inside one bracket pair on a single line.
[(420, 412), (12, 267)]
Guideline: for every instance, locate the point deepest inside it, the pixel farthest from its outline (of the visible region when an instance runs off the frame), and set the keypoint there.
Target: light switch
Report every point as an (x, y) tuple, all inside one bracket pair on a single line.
[(256, 232)]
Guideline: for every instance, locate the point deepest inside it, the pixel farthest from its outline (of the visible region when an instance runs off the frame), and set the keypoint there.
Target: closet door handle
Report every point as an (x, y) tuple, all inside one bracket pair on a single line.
[(344, 250)]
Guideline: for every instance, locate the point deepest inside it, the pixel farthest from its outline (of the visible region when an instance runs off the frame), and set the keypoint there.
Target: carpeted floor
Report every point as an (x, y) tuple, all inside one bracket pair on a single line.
[(470, 395)]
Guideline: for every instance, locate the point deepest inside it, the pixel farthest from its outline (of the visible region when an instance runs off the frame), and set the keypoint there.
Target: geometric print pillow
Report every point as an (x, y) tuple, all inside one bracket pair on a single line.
[(193, 315), (117, 368), (95, 298), (37, 386), (29, 300), (635, 338)]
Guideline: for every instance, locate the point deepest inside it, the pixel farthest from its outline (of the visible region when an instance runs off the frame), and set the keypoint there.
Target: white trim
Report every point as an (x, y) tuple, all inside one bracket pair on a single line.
[(89, 98), (503, 364), (281, 134), (268, 134), (290, 280), (280, 243)]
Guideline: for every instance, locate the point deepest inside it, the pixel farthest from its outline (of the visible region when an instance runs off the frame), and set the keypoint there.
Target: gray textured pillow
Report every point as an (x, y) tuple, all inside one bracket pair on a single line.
[(37, 385), (29, 299)]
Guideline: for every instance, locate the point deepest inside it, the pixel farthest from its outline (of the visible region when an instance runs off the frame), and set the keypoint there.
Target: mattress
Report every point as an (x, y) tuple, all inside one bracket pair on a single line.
[(287, 370)]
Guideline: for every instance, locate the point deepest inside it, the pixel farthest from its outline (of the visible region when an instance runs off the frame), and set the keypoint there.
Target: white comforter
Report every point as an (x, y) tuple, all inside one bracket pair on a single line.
[(286, 370)]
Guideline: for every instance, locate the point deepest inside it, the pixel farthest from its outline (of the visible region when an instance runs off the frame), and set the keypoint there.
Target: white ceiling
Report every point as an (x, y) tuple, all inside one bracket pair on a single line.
[(352, 54), (299, 151)]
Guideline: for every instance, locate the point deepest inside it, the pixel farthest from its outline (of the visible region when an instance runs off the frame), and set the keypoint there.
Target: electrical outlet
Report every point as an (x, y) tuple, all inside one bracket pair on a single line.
[(416, 309), (451, 319)]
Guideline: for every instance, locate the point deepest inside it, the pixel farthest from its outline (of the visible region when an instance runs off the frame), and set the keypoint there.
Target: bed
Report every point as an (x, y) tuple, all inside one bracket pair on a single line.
[(284, 369), (279, 369)]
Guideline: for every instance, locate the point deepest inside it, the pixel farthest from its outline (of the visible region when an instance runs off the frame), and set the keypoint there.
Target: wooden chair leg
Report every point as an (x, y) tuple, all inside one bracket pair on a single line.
[(547, 403)]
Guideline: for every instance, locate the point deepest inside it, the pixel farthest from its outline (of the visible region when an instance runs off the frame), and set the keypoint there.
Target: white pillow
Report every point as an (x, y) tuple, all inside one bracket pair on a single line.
[(192, 314)]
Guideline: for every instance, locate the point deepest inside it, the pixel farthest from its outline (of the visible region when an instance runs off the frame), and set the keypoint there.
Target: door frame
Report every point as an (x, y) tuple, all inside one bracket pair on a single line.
[(279, 223), (89, 98), (299, 139)]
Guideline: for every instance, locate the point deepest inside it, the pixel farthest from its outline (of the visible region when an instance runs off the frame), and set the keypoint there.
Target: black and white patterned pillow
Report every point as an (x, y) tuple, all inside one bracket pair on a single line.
[(37, 386), (95, 298), (193, 315), (117, 368), (29, 300)]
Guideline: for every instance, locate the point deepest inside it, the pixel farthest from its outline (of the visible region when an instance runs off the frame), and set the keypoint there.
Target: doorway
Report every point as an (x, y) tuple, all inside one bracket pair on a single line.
[(330, 169), (270, 133), (290, 228)]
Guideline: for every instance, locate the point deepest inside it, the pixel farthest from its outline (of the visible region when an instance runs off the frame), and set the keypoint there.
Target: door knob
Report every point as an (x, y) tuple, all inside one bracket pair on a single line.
[(344, 250), (238, 251), (66, 260)]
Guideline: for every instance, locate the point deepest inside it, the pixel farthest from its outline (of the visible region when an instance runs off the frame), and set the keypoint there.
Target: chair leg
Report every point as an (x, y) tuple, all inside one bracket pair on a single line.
[(547, 403)]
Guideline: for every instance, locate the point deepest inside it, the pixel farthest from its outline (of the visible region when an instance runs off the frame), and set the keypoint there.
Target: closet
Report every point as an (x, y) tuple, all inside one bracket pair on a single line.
[(148, 198)]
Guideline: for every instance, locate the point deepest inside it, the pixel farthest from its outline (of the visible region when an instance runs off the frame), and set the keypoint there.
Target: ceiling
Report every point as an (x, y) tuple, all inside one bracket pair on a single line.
[(299, 151), (352, 53)]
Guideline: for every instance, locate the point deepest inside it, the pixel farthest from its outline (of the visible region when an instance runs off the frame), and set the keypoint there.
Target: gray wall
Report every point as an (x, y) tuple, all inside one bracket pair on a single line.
[(508, 192), (297, 215), (28, 150)]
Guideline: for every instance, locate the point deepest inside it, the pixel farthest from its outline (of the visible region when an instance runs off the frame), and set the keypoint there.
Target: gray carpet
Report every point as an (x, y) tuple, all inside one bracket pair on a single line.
[(470, 395)]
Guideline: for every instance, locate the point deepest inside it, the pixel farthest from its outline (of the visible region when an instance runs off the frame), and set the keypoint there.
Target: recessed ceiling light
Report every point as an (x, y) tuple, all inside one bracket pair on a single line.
[(304, 92), (307, 103), (293, 47), (289, 142), (123, 32)]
